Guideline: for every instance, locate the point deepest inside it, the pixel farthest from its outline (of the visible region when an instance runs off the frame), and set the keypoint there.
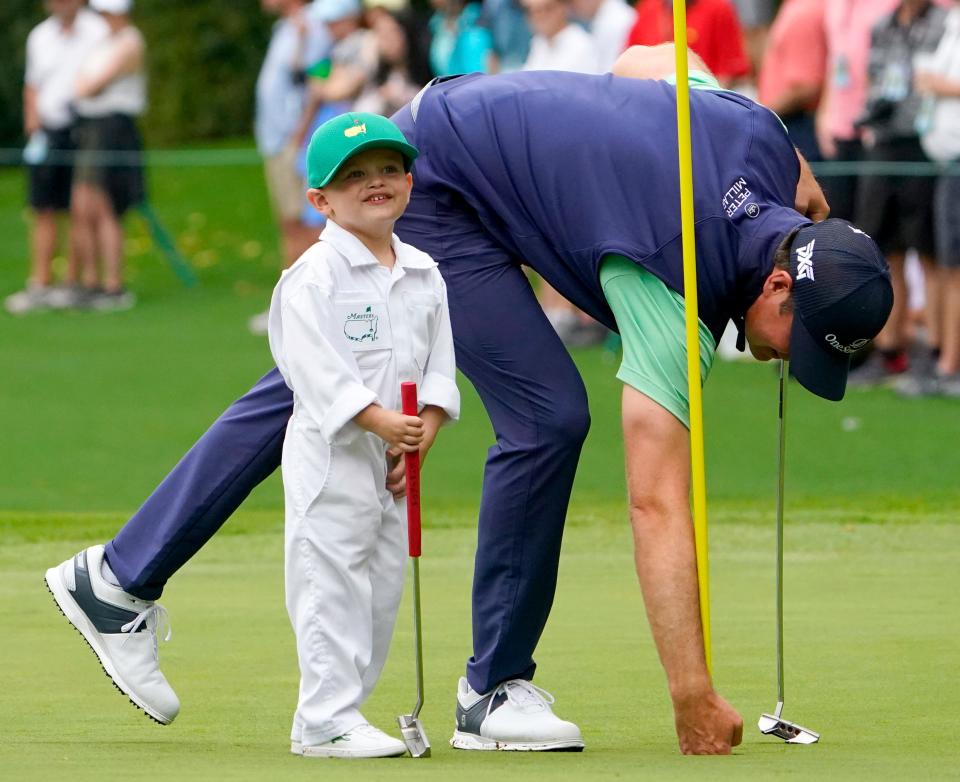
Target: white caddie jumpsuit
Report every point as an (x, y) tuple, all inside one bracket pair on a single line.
[(345, 331)]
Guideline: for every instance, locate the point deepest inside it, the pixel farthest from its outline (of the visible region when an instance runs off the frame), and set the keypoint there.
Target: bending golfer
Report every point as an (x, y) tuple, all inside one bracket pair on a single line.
[(575, 176)]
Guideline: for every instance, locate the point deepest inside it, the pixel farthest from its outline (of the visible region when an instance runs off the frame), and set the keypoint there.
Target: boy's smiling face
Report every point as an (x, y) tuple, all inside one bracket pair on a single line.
[(367, 194)]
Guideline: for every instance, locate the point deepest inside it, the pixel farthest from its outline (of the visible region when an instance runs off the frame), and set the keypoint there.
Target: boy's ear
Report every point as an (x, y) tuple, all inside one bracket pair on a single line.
[(319, 201)]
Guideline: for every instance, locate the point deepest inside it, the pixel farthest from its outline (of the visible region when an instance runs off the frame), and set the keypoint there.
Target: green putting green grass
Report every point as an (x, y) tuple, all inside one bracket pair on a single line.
[(871, 660), (95, 408)]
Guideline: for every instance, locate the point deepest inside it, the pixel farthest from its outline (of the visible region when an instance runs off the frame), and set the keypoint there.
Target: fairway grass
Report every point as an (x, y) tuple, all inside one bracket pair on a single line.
[(872, 652)]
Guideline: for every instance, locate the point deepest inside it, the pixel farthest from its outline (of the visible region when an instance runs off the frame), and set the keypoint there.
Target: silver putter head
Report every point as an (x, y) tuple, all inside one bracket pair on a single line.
[(790, 732), (414, 736)]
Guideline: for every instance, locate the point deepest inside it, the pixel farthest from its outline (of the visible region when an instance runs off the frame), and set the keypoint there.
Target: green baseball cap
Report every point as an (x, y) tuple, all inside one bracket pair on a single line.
[(342, 137)]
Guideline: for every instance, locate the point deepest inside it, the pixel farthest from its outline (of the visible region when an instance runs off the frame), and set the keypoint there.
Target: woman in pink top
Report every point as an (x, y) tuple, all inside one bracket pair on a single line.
[(847, 24), (793, 70)]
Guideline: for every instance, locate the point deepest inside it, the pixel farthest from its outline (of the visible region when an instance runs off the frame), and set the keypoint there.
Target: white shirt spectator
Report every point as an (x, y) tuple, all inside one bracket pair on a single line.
[(345, 331), (941, 141), (572, 49), (127, 94), (610, 28), (54, 56)]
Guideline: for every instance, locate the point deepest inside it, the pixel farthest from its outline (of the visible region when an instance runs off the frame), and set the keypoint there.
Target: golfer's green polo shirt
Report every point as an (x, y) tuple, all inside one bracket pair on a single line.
[(651, 320)]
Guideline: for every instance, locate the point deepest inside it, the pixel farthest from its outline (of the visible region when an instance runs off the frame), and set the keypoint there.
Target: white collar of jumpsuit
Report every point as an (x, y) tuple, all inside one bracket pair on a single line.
[(357, 254)]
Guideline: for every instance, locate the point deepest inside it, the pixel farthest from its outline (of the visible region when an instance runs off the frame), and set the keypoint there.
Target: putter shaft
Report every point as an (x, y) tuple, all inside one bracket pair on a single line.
[(774, 724), (781, 462), (414, 736), (417, 635)]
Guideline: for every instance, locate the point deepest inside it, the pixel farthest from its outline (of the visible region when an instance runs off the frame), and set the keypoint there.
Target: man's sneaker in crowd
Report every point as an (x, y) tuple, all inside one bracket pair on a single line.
[(516, 715), (69, 296), (33, 298), (120, 628), (363, 741), (915, 386), (878, 370), (112, 301), (585, 335), (258, 323)]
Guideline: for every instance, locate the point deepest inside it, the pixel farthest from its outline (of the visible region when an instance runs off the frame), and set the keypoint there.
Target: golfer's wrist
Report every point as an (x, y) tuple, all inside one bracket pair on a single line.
[(690, 688)]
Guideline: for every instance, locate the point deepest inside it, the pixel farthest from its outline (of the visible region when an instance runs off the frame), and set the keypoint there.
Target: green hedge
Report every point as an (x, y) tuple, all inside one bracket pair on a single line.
[(203, 57)]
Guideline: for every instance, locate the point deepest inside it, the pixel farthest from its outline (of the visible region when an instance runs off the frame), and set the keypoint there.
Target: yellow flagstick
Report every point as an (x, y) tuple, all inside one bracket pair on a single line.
[(697, 469)]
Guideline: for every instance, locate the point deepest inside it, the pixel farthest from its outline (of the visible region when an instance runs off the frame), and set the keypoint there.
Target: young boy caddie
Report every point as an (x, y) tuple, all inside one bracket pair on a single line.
[(358, 313)]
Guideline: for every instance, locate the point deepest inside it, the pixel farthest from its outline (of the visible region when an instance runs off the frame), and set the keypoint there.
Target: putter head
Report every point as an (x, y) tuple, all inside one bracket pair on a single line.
[(790, 732), (414, 736)]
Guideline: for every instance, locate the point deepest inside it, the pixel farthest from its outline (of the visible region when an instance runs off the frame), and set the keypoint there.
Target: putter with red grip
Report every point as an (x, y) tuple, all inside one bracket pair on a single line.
[(411, 728)]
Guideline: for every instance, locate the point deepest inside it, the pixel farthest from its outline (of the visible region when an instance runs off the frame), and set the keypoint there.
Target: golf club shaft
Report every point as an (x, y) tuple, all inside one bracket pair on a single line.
[(417, 635), (781, 456), (408, 398)]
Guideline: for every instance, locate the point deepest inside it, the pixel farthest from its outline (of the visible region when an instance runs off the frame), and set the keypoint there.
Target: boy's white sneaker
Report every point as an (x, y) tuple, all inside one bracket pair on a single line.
[(516, 715), (363, 741), (120, 628)]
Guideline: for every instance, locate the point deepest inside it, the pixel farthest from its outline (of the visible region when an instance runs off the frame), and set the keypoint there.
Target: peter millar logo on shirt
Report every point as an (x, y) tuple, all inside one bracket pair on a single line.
[(738, 194), (361, 326), (805, 262)]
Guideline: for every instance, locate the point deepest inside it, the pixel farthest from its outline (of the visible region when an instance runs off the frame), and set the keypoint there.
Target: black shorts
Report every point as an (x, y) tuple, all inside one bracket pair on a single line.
[(49, 183), (841, 189), (897, 211), (110, 156)]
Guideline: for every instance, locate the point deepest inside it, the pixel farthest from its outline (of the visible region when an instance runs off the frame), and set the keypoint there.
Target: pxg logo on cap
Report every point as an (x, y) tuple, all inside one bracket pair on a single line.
[(842, 296)]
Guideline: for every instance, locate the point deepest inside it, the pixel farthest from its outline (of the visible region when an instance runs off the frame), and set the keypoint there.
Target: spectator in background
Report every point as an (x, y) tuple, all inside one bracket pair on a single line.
[(460, 43), (111, 92), (938, 81), (402, 65), (609, 23), (847, 25), (297, 41), (713, 32), (55, 49), (755, 18), (510, 35), (793, 70), (351, 66), (335, 83), (558, 44), (897, 211)]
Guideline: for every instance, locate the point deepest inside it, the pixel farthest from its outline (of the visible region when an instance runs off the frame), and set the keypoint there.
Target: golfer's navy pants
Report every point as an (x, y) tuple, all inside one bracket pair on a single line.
[(535, 399)]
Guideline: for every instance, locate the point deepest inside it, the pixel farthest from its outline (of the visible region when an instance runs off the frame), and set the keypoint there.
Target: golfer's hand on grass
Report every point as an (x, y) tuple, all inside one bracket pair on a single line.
[(707, 725)]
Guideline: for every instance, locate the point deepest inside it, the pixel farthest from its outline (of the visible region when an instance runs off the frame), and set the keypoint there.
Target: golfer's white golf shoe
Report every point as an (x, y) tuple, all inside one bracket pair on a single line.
[(120, 628), (516, 715), (363, 741)]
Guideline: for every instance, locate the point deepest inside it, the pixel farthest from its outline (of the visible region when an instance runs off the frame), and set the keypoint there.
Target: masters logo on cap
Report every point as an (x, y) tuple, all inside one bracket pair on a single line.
[(842, 295), (355, 130), (340, 138)]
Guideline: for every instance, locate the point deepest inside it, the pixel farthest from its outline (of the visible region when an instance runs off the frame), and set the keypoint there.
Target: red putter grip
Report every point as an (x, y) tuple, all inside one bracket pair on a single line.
[(408, 399)]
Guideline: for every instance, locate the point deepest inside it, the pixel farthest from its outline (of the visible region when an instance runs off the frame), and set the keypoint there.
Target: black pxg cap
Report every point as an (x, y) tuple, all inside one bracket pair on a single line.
[(842, 298)]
